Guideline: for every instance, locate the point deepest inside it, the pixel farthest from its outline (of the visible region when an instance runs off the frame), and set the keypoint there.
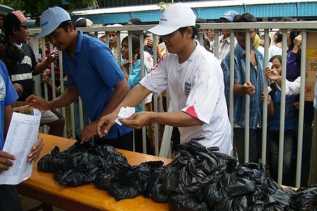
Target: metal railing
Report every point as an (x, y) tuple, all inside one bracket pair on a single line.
[(266, 28)]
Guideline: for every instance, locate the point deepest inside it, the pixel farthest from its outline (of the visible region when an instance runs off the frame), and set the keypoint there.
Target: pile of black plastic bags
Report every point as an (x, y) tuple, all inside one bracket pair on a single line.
[(197, 179)]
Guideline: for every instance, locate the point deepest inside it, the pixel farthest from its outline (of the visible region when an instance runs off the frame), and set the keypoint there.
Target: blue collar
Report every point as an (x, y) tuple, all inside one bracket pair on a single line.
[(240, 52), (79, 42)]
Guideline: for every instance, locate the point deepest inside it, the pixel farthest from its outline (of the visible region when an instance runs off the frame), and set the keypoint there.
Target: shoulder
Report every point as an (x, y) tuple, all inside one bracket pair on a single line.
[(4, 72), (95, 47), (206, 59), (93, 43), (3, 68)]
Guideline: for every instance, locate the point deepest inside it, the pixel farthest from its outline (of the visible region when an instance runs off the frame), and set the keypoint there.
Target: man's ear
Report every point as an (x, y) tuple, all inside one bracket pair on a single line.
[(15, 30), (70, 28), (189, 32)]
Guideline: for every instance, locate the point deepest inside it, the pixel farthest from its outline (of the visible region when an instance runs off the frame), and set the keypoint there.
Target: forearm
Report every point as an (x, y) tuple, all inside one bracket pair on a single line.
[(176, 119), (237, 89), (8, 115), (271, 109), (40, 67), (134, 97), (70, 95)]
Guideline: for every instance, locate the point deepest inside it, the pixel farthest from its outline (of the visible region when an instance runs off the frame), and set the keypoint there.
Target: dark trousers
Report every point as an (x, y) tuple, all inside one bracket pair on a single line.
[(289, 156), (9, 198), (122, 142), (138, 137), (254, 147)]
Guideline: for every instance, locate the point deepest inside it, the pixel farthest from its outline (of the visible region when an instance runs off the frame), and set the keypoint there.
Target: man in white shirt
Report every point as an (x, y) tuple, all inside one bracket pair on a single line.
[(194, 80), (224, 42)]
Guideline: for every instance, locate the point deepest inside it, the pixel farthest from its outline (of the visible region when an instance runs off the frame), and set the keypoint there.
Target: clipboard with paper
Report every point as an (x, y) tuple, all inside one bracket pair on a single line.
[(22, 135)]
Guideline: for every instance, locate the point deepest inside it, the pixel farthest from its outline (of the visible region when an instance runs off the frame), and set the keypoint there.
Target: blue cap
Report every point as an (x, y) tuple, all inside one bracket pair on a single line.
[(229, 15), (51, 19)]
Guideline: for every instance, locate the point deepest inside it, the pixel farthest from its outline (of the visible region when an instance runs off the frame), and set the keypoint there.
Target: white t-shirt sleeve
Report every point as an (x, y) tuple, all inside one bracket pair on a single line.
[(293, 88), (148, 62), (156, 80), (204, 94)]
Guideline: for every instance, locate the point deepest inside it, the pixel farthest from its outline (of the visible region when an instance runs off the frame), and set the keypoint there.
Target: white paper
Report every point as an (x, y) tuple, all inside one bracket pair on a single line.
[(125, 112), (22, 135)]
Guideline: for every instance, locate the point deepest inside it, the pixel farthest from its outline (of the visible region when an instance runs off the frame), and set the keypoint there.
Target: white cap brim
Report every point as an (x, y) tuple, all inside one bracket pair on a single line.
[(162, 30)]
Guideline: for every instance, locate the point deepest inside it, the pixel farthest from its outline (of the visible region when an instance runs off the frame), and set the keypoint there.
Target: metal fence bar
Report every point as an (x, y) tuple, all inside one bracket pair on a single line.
[(81, 113), (201, 37), (117, 50), (282, 111), (45, 84), (301, 110), (231, 104), (61, 78), (141, 36), (155, 108), (72, 119), (53, 74), (247, 99), (216, 44), (130, 69), (37, 44), (265, 102)]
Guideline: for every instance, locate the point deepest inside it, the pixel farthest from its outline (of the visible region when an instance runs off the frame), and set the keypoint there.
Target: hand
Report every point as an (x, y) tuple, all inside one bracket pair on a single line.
[(52, 57), (269, 99), (125, 67), (46, 75), (38, 102), (296, 105), (138, 120), (272, 74), (298, 40), (19, 88), (105, 123), (36, 150), (5, 161), (26, 109), (248, 88), (88, 132)]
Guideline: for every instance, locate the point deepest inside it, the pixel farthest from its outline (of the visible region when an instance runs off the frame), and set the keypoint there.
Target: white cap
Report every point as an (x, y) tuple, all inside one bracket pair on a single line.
[(174, 17), (51, 19)]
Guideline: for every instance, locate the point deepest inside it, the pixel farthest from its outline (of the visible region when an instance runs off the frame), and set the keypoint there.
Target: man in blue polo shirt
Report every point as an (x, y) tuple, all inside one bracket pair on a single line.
[(92, 72), (9, 199)]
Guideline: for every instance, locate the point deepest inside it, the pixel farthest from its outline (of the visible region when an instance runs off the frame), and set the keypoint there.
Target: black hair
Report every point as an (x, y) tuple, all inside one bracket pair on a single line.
[(245, 17), (11, 23), (81, 22), (263, 38), (194, 28), (278, 37), (207, 44), (66, 24), (135, 21), (292, 36), (278, 57), (135, 43)]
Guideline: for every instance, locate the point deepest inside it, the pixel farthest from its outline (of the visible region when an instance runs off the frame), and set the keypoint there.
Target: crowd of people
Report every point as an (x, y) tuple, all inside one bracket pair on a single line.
[(198, 84)]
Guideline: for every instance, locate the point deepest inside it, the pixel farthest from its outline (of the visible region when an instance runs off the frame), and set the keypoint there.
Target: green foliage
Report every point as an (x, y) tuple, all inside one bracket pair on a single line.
[(36, 7)]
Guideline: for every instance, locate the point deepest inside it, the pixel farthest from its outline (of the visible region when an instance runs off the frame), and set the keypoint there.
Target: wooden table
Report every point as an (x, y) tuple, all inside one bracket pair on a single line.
[(43, 187)]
